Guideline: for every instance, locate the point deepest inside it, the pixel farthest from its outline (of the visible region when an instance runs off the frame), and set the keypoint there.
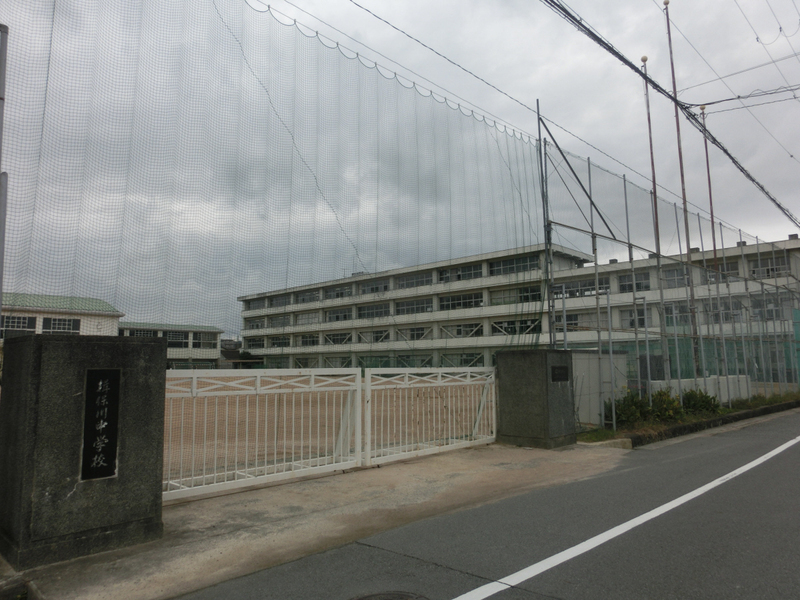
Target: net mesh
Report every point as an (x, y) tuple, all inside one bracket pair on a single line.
[(170, 156)]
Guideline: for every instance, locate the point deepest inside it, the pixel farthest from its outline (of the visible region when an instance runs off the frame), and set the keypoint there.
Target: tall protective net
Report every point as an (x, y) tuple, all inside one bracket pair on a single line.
[(168, 156)]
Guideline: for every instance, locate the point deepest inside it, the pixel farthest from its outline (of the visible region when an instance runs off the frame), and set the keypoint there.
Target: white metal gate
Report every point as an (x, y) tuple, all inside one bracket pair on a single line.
[(226, 428), (233, 428), (408, 412)]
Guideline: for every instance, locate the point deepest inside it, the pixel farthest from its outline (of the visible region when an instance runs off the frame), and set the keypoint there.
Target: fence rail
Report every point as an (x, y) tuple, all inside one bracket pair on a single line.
[(226, 429)]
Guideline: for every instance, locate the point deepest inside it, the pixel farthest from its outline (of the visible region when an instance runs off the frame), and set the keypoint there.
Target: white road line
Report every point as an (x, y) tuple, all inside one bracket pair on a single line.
[(490, 589)]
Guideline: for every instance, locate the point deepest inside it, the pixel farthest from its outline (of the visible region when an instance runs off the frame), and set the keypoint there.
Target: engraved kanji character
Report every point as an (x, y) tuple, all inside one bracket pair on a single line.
[(98, 461), (100, 443), (100, 425)]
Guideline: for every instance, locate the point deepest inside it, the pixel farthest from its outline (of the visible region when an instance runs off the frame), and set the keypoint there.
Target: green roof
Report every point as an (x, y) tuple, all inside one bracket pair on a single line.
[(169, 327), (60, 303)]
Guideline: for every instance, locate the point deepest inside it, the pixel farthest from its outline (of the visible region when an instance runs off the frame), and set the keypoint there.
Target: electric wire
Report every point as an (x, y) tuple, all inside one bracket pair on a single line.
[(560, 9), (714, 112), (583, 141), (762, 65), (780, 28), (736, 2), (752, 114)]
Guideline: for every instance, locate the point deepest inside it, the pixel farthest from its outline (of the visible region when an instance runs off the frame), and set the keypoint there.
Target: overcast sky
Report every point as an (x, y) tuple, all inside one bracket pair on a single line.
[(170, 155), (529, 52)]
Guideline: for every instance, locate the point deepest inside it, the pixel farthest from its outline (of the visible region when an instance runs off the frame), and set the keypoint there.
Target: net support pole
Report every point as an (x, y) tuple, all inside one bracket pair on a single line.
[(3, 175)]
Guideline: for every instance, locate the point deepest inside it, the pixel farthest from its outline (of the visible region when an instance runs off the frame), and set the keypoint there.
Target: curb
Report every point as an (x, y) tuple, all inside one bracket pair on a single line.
[(638, 439)]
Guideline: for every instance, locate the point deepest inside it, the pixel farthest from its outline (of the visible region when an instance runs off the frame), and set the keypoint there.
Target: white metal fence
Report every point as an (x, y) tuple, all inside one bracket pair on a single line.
[(234, 428)]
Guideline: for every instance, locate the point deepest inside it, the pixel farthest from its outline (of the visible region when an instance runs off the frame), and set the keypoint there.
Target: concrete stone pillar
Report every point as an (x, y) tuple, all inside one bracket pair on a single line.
[(81, 445)]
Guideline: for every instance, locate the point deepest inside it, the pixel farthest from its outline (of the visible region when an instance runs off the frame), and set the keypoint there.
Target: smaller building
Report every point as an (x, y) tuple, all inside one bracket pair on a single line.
[(188, 346), (37, 313)]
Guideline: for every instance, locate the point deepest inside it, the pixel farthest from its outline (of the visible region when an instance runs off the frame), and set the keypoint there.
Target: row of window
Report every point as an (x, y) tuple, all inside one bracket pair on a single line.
[(712, 311), (403, 361), (413, 280), (177, 339), (404, 307), (49, 325), (462, 330)]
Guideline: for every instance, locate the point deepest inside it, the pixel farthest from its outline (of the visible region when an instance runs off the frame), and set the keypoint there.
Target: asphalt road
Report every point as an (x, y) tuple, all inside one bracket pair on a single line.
[(737, 540)]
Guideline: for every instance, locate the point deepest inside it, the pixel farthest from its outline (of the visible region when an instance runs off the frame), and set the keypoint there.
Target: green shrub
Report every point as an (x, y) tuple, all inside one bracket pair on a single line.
[(699, 401), (666, 407), (630, 409)]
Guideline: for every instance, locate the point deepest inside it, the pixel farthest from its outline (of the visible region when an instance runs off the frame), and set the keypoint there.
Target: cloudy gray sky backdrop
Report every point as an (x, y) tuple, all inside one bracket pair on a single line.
[(169, 156)]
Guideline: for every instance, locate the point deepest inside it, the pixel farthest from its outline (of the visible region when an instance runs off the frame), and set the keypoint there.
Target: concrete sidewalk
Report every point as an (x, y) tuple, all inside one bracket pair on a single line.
[(215, 539)]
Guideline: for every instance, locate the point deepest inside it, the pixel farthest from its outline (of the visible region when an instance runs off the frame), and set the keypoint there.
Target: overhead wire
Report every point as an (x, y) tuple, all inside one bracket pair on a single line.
[(752, 114), (559, 8), (590, 145), (736, 2), (762, 65)]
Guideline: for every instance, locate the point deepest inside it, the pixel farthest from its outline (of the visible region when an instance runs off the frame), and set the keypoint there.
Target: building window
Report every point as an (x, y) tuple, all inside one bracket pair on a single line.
[(414, 280), (306, 362), (338, 338), (282, 300), (727, 269), (642, 282), (373, 337), (373, 311), (177, 339), (280, 321), (339, 291), (770, 308), (675, 278), (572, 322), (307, 296), (16, 324), (768, 266), (70, 326), (307, 318), (255, 343), (581, 288), (205, 341), (255, 304), (413, 334), (411, 307), (374, 362), (718, 309), (373, 287), (338, 314), (677, 313), (276, 362), (460, 273), (309, 339), (338, 362), (521, 327), (142, 333), (462, 360), (254, 323), (514, 265), (279, 341), (462, 331), (414, 361), (461, 301), (629, 320), (515, 295)]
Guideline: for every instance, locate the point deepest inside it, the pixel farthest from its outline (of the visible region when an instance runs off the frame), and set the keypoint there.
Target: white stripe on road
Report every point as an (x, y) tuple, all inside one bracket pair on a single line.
[(490, 589)]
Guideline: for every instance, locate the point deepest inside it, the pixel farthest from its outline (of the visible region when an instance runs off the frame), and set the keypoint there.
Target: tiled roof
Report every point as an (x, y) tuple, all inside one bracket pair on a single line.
[(59, 303), (169, 327)]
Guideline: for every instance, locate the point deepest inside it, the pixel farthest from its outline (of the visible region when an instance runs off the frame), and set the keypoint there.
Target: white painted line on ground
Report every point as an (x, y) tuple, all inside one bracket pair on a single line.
[(490, 589)]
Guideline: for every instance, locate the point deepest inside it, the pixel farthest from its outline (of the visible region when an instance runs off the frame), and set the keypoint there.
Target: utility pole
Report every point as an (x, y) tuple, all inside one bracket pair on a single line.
[(662, 321), (692, 308), (3, 175)]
